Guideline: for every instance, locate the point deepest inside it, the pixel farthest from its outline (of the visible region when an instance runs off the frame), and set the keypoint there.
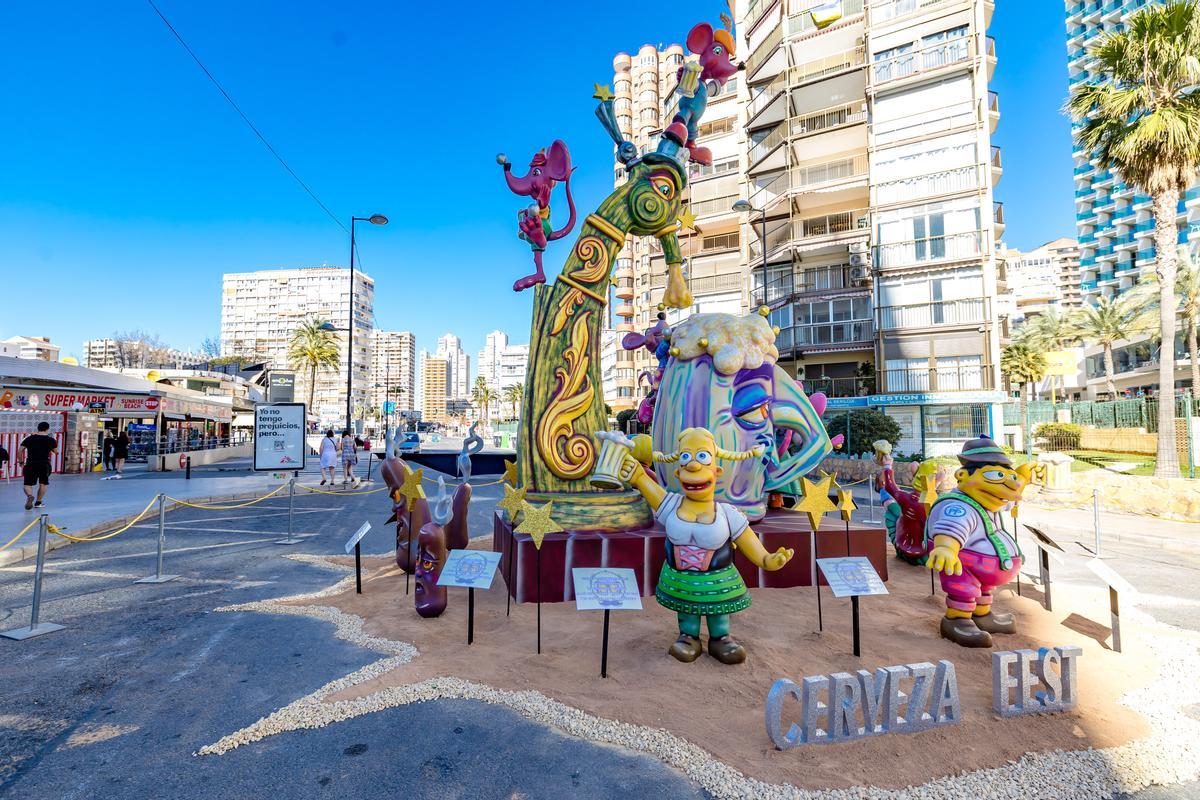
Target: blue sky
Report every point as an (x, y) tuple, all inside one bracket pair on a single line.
[(128, 185)]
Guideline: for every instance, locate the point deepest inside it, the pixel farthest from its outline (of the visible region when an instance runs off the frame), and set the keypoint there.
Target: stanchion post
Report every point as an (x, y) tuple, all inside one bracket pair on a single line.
[(854, 610), (36, 628), (1044, 563), (470, 614), (1114, 608), (357, 568), (291, 539), (1096, 519), (187, 464), (158, 576), (604, 647)]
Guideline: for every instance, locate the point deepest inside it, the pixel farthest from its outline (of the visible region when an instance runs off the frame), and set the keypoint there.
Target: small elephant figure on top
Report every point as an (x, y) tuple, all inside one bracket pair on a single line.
[(697, 79), (545, 171), (656, 340)]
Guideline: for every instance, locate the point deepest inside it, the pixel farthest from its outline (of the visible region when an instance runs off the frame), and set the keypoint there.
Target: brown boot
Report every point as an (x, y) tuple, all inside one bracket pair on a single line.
[(995, 623), (963, 632), (686, 648), (726, 650)]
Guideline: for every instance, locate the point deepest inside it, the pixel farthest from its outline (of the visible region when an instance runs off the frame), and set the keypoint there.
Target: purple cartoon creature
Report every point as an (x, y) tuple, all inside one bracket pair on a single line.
[(545, 171), (656, 340)]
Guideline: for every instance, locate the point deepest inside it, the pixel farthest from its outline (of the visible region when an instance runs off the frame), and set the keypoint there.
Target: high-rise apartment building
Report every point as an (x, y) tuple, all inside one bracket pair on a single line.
[(458, 365), (394, 369), (35, 347), (1115, 224), (260, 311), (644, 88), (488, 360), (868, 161), (434, 387), (1042, 280), (135, 354)]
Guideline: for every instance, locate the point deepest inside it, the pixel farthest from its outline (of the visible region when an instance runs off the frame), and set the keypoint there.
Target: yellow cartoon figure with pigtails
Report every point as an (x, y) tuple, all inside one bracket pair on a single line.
[(698, 578), (971, 547)]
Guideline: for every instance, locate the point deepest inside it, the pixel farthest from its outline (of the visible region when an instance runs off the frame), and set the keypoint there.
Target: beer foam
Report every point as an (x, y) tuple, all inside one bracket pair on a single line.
[(734, 343)]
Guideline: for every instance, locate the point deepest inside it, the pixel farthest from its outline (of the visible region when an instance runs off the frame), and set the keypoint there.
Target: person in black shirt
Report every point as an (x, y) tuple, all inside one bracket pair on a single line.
[(35, 452), (110, 447)]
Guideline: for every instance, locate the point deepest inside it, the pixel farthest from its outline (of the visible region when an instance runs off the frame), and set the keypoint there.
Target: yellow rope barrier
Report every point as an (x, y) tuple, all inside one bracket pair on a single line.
[(24, 531), (340, 494), (131, 523), (228, 507)]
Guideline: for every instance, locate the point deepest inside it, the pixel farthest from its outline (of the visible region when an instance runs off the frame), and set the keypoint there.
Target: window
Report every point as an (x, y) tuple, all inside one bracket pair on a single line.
[(943, 48), (895, 63), (715, 127), (721, 241), (955, 423), (697, 171)]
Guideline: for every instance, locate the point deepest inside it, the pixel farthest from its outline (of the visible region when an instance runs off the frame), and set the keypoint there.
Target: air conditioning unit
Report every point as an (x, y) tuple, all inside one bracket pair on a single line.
[(857, 247), (860, 260), (859, 275)]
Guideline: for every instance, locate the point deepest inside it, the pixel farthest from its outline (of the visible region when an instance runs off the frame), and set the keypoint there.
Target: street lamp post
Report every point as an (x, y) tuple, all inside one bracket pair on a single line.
[(744, 207), (374, 219)]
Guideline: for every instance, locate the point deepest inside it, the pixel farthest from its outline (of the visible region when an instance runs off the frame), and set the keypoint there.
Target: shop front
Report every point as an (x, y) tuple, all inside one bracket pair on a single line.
[(933, 423)]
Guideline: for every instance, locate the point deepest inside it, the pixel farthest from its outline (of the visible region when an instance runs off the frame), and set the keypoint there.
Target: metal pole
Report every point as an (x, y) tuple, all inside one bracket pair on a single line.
[(36, 628), (604, 648), (764, 254), (470, 614), (1028, 435), (1114, 608), (854, 609), (350, 330), (357, 568), (188, 462), (1096, 519), (158, 576), (291, 513)]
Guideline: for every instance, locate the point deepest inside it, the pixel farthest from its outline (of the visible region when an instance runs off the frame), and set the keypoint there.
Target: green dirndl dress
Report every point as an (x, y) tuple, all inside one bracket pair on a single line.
[(718, 591)]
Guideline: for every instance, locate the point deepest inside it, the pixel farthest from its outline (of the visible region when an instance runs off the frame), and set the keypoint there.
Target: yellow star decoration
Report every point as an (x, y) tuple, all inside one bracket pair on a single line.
[(845, 503), (687, 220), (603, 92), (814, 500), (537, 522), (510, 472), (411, 488), (929, 494), (512, 502)]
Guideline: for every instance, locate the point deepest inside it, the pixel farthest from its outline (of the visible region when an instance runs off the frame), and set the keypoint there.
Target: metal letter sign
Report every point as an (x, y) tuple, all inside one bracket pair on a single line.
[(279, 437)]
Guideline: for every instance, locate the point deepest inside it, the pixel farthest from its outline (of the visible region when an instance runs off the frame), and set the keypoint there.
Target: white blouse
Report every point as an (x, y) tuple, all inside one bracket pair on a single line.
[(729, 523)]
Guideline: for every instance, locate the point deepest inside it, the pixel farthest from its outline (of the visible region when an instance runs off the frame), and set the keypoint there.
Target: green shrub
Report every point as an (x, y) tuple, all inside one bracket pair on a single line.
[(1057, 435), (866, 426)]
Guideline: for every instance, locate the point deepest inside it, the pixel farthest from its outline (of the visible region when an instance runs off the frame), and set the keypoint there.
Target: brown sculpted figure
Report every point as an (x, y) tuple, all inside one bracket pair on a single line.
[(394, 472), (430, 599)]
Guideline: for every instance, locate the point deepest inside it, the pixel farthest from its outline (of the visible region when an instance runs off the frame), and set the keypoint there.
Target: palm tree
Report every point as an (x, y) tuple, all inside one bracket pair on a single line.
[(1109, 321), (313, 347), (513, 395), (1187, 289), (1143, 119), (482, 396), (1047, 331), (1024, 365)]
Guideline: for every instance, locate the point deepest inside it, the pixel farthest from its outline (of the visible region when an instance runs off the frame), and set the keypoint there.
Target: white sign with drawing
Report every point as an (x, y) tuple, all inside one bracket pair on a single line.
[(279, 436), (473, 569), (357, 537), (605, 589), (851, 576)]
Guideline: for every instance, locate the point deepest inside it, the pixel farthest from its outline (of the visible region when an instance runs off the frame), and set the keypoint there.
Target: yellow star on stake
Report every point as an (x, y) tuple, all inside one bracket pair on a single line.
[(512, 502), (510, 472), (603, 92), (846, 503), (687, 219), (411, 488), (537, 522), (814, 500)]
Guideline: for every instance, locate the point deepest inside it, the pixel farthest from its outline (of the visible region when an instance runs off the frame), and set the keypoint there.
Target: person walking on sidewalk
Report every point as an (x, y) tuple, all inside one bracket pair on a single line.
[(110, 446), (349, 458), (329, 458), (121, 451), (34, 454)]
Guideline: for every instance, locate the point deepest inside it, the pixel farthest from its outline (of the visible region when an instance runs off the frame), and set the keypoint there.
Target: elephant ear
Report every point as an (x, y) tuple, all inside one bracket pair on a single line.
[(633, 341), (700, 37), (558, 161)]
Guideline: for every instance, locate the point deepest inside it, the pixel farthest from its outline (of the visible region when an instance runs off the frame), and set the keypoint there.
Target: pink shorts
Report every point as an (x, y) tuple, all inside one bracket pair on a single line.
[(981, 574)]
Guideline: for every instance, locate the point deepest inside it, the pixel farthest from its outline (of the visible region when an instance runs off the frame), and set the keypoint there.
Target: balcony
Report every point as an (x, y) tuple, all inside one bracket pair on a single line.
[(764, 51), (806, 178), (624, 291), (829, 65), (830, 279), (839, 387), (967, 311), (961, 378), (919, 62), (623, 310), (815, 122), (998, 217), (803, 23), (950, 247), (993, 106), (884, 10), (801, 231), (952, 181), (717, 205), (997, 165), (990, 56), (756, 11)]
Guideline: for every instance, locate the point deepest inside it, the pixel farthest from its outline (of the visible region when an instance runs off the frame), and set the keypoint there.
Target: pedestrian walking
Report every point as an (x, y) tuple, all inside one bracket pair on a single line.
[(329, 458), (34, 456), (121, 451), (349, 458), (110, 446)]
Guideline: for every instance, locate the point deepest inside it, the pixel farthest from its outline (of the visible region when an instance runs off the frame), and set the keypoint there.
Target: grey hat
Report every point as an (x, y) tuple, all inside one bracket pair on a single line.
[(981, 451)]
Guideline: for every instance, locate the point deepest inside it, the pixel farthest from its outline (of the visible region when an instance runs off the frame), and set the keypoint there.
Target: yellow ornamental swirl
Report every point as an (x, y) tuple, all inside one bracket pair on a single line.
[(568, 454), (593, 257)]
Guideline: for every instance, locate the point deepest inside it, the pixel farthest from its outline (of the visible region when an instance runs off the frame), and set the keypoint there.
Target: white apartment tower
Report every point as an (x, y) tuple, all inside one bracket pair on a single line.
[(644, 88), (260, 311), (868, 161), (488, 361), (394, 369), (458, 367)]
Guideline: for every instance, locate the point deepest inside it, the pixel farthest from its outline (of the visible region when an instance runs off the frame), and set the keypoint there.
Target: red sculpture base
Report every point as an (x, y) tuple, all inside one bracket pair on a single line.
[(644, 551)]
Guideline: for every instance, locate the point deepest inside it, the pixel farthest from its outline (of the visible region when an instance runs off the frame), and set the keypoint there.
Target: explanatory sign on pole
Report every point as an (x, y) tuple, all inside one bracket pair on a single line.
[(279, 436)]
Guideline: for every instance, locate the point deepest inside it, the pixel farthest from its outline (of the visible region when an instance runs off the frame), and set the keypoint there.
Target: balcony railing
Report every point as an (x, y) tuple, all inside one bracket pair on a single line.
[(783, 231), (927, 59), (966, 311), (823, 279), (803, 21), (998, 212), (882, 10), (996, 161), (827, 118), (808, 177), (839, 387), (838, 62), (763, 146), (764, 50), (716, 205), (949, 181), (931, 248), (755, 11), (851, 332), (938, 379)]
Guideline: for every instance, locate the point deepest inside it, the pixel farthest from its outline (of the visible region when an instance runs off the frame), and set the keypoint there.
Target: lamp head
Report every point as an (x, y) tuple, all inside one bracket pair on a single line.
[(743, 207), (327, 326), (378, 219)]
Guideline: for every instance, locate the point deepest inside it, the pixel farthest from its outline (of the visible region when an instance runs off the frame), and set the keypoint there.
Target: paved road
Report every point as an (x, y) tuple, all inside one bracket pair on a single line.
[(115, 705)]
